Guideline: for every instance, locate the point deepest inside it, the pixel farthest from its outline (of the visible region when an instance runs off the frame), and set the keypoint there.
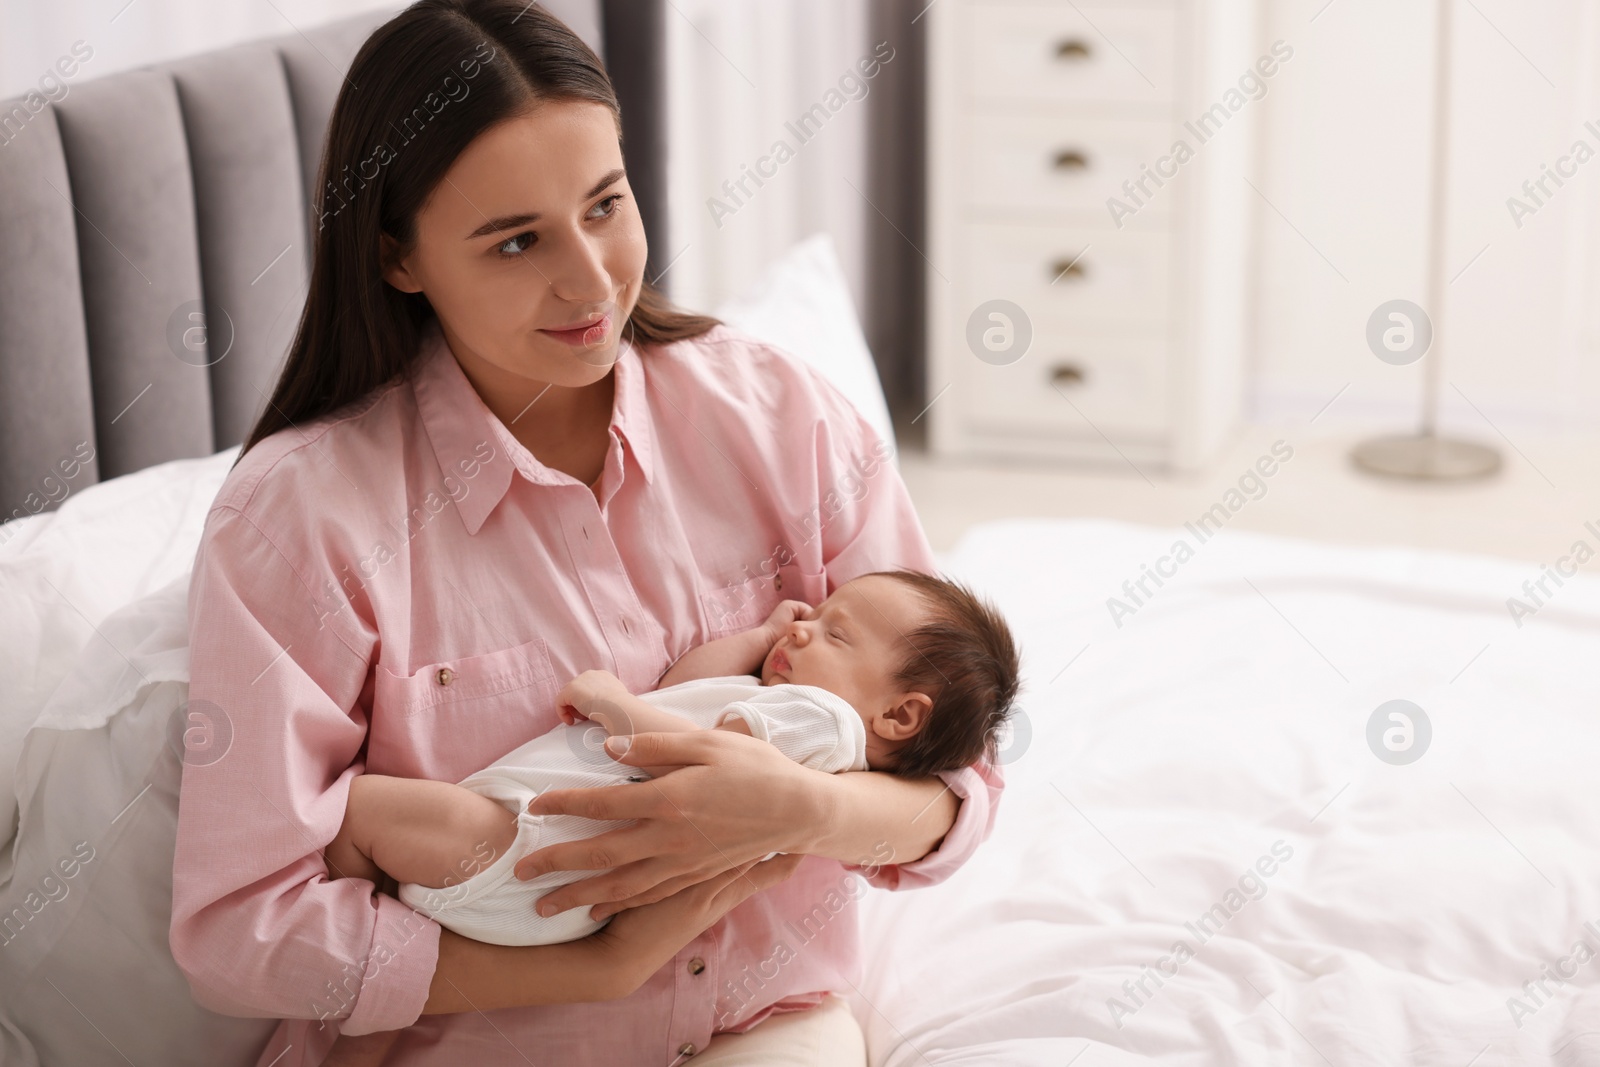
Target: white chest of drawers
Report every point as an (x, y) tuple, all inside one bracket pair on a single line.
[(1131, 297)]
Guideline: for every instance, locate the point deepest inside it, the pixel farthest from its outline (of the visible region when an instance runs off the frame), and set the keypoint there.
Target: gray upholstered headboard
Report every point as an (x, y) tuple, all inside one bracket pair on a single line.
[(138, 195)]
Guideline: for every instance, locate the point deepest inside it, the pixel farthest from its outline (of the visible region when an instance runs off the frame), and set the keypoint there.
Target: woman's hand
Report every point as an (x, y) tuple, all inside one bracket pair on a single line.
[(641, 940), (609, 964), (691, 823)]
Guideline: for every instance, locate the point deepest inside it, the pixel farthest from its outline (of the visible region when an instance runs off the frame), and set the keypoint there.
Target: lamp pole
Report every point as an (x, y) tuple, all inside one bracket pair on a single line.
[(1426, 455)]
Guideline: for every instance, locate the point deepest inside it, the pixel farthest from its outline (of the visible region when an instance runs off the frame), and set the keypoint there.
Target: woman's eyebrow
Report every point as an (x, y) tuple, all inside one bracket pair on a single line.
[(512, 222)]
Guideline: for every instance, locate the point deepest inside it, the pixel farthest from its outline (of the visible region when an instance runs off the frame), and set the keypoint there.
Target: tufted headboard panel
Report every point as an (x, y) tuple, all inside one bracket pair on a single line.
[(142, 200)]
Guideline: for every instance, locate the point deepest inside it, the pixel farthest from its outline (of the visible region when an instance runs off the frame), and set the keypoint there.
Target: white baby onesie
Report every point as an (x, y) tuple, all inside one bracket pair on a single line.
[(811, 726)]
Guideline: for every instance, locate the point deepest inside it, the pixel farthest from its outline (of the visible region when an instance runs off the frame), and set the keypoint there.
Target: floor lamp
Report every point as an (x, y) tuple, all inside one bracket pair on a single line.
[(1426, 455)]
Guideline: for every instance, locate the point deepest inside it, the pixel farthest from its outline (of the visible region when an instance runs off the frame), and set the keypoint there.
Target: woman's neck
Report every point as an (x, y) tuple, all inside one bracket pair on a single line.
[(563, 427)]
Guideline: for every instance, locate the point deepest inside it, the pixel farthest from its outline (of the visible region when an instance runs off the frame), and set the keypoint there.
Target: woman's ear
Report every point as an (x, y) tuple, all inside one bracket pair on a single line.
[(395, 271)]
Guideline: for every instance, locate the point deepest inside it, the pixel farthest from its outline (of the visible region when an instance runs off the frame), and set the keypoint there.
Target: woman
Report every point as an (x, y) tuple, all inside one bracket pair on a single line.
[(495, 459)]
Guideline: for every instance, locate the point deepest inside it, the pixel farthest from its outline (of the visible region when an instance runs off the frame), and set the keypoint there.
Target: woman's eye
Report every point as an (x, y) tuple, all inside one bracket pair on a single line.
[(514, 246), (610, 205)]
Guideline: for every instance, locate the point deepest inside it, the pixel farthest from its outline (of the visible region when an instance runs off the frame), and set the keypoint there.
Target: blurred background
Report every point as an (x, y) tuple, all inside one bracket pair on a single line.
[(1166, 315)]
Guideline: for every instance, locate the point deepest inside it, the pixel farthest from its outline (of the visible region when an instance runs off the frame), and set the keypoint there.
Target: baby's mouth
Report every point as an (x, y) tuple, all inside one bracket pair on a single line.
[(780, 662)]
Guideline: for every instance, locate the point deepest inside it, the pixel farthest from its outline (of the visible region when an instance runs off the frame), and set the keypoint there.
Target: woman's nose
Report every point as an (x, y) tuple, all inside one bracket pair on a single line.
[(580, 274)]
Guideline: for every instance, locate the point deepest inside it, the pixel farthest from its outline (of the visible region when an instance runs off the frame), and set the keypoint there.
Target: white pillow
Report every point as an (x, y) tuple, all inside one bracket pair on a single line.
[(802, 304), (63, 572), (87, 885)]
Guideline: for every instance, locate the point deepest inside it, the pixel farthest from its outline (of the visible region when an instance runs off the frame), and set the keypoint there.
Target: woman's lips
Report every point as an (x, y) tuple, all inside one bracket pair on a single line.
[(585, 335)]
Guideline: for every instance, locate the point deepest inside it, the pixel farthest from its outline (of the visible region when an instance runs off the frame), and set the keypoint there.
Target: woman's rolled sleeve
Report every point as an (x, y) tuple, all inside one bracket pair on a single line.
[(276, 681)]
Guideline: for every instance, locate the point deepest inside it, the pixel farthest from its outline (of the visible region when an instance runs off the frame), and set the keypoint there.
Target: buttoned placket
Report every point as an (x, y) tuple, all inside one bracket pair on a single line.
[(627, 628), (693, 1018)]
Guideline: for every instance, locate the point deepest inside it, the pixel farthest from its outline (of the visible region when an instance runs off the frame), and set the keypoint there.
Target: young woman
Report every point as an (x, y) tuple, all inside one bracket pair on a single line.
[(497, 458)]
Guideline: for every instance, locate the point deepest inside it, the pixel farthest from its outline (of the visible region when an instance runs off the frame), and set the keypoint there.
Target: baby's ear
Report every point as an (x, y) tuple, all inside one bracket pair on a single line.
[(912, 712)]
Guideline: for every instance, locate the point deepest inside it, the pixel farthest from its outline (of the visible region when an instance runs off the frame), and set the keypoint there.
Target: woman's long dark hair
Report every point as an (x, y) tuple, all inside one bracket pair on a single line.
[(422, 88)]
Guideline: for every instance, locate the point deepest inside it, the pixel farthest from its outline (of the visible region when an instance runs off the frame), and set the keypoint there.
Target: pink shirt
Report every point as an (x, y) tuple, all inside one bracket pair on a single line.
[(346, 563)]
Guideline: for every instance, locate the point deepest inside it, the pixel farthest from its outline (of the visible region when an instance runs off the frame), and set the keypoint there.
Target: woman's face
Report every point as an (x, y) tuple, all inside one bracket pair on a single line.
[(532, 231)]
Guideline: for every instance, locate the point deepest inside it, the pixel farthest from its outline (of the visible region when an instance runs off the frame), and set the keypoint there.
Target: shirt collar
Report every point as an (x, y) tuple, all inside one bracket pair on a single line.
[(463, 430)]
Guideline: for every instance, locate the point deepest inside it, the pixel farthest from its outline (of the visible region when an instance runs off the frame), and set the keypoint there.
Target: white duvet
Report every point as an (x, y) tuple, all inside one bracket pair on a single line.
[(1226, 719), (1198, 860)]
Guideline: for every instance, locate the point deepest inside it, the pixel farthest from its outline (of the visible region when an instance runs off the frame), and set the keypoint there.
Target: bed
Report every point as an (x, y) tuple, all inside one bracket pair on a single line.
[(1217, 845), (1201, 775)]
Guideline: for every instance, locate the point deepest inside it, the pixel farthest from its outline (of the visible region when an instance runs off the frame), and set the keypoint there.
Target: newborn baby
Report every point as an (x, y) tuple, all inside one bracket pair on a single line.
[(896, 671)]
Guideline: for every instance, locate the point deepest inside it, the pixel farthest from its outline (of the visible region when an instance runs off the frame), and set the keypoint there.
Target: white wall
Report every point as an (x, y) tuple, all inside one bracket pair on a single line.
[(125, 35), (1347, 141)]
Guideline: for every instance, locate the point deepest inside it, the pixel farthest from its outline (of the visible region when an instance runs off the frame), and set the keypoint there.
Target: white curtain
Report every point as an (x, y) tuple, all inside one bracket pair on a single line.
[(741, 76)]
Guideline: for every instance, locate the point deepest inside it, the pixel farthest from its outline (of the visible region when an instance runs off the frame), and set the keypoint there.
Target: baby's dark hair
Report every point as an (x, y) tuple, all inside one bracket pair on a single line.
[(964, 657)]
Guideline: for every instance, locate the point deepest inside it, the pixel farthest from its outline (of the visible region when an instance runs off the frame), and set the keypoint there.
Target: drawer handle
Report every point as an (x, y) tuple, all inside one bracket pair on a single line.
[(1070, 269), (1071, 159), (1067, 374), (1072, 49)]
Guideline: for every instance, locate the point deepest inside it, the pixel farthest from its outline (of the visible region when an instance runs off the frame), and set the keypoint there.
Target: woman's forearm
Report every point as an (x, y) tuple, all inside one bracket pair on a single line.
[(475, 976), (739, 653), (873, 817)]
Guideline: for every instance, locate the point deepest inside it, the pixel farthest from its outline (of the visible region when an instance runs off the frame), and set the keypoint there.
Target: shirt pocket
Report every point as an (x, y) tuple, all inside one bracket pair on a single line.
[(464, 679), (464, 711), (740, 605)]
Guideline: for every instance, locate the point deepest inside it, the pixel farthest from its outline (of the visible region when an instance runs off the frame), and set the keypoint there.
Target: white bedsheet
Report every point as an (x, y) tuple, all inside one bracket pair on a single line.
[(1228, 714)]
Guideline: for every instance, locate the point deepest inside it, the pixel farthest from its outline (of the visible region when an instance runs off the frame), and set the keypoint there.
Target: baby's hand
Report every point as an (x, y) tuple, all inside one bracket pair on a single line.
[(786, 612), (578, 697)]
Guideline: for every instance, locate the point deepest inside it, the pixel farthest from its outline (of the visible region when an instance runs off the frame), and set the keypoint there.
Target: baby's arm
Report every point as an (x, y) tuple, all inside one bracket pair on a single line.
[(739, 653), (601, 697)]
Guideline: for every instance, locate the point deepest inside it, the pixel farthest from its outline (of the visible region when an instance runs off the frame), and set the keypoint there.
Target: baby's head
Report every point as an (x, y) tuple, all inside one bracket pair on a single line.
[(931, 669)]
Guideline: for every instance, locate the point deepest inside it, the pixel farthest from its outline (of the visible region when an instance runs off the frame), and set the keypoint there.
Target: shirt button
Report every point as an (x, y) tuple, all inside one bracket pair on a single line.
[(697, 965), (686, 1049), (777, 582), (445, 676)]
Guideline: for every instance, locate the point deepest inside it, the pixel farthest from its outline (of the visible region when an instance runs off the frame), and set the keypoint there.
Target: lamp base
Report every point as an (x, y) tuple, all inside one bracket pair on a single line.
[(1425, 457)]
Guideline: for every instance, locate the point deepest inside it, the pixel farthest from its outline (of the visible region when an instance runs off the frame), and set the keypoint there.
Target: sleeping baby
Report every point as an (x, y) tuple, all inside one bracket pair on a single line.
[(897, 671)]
